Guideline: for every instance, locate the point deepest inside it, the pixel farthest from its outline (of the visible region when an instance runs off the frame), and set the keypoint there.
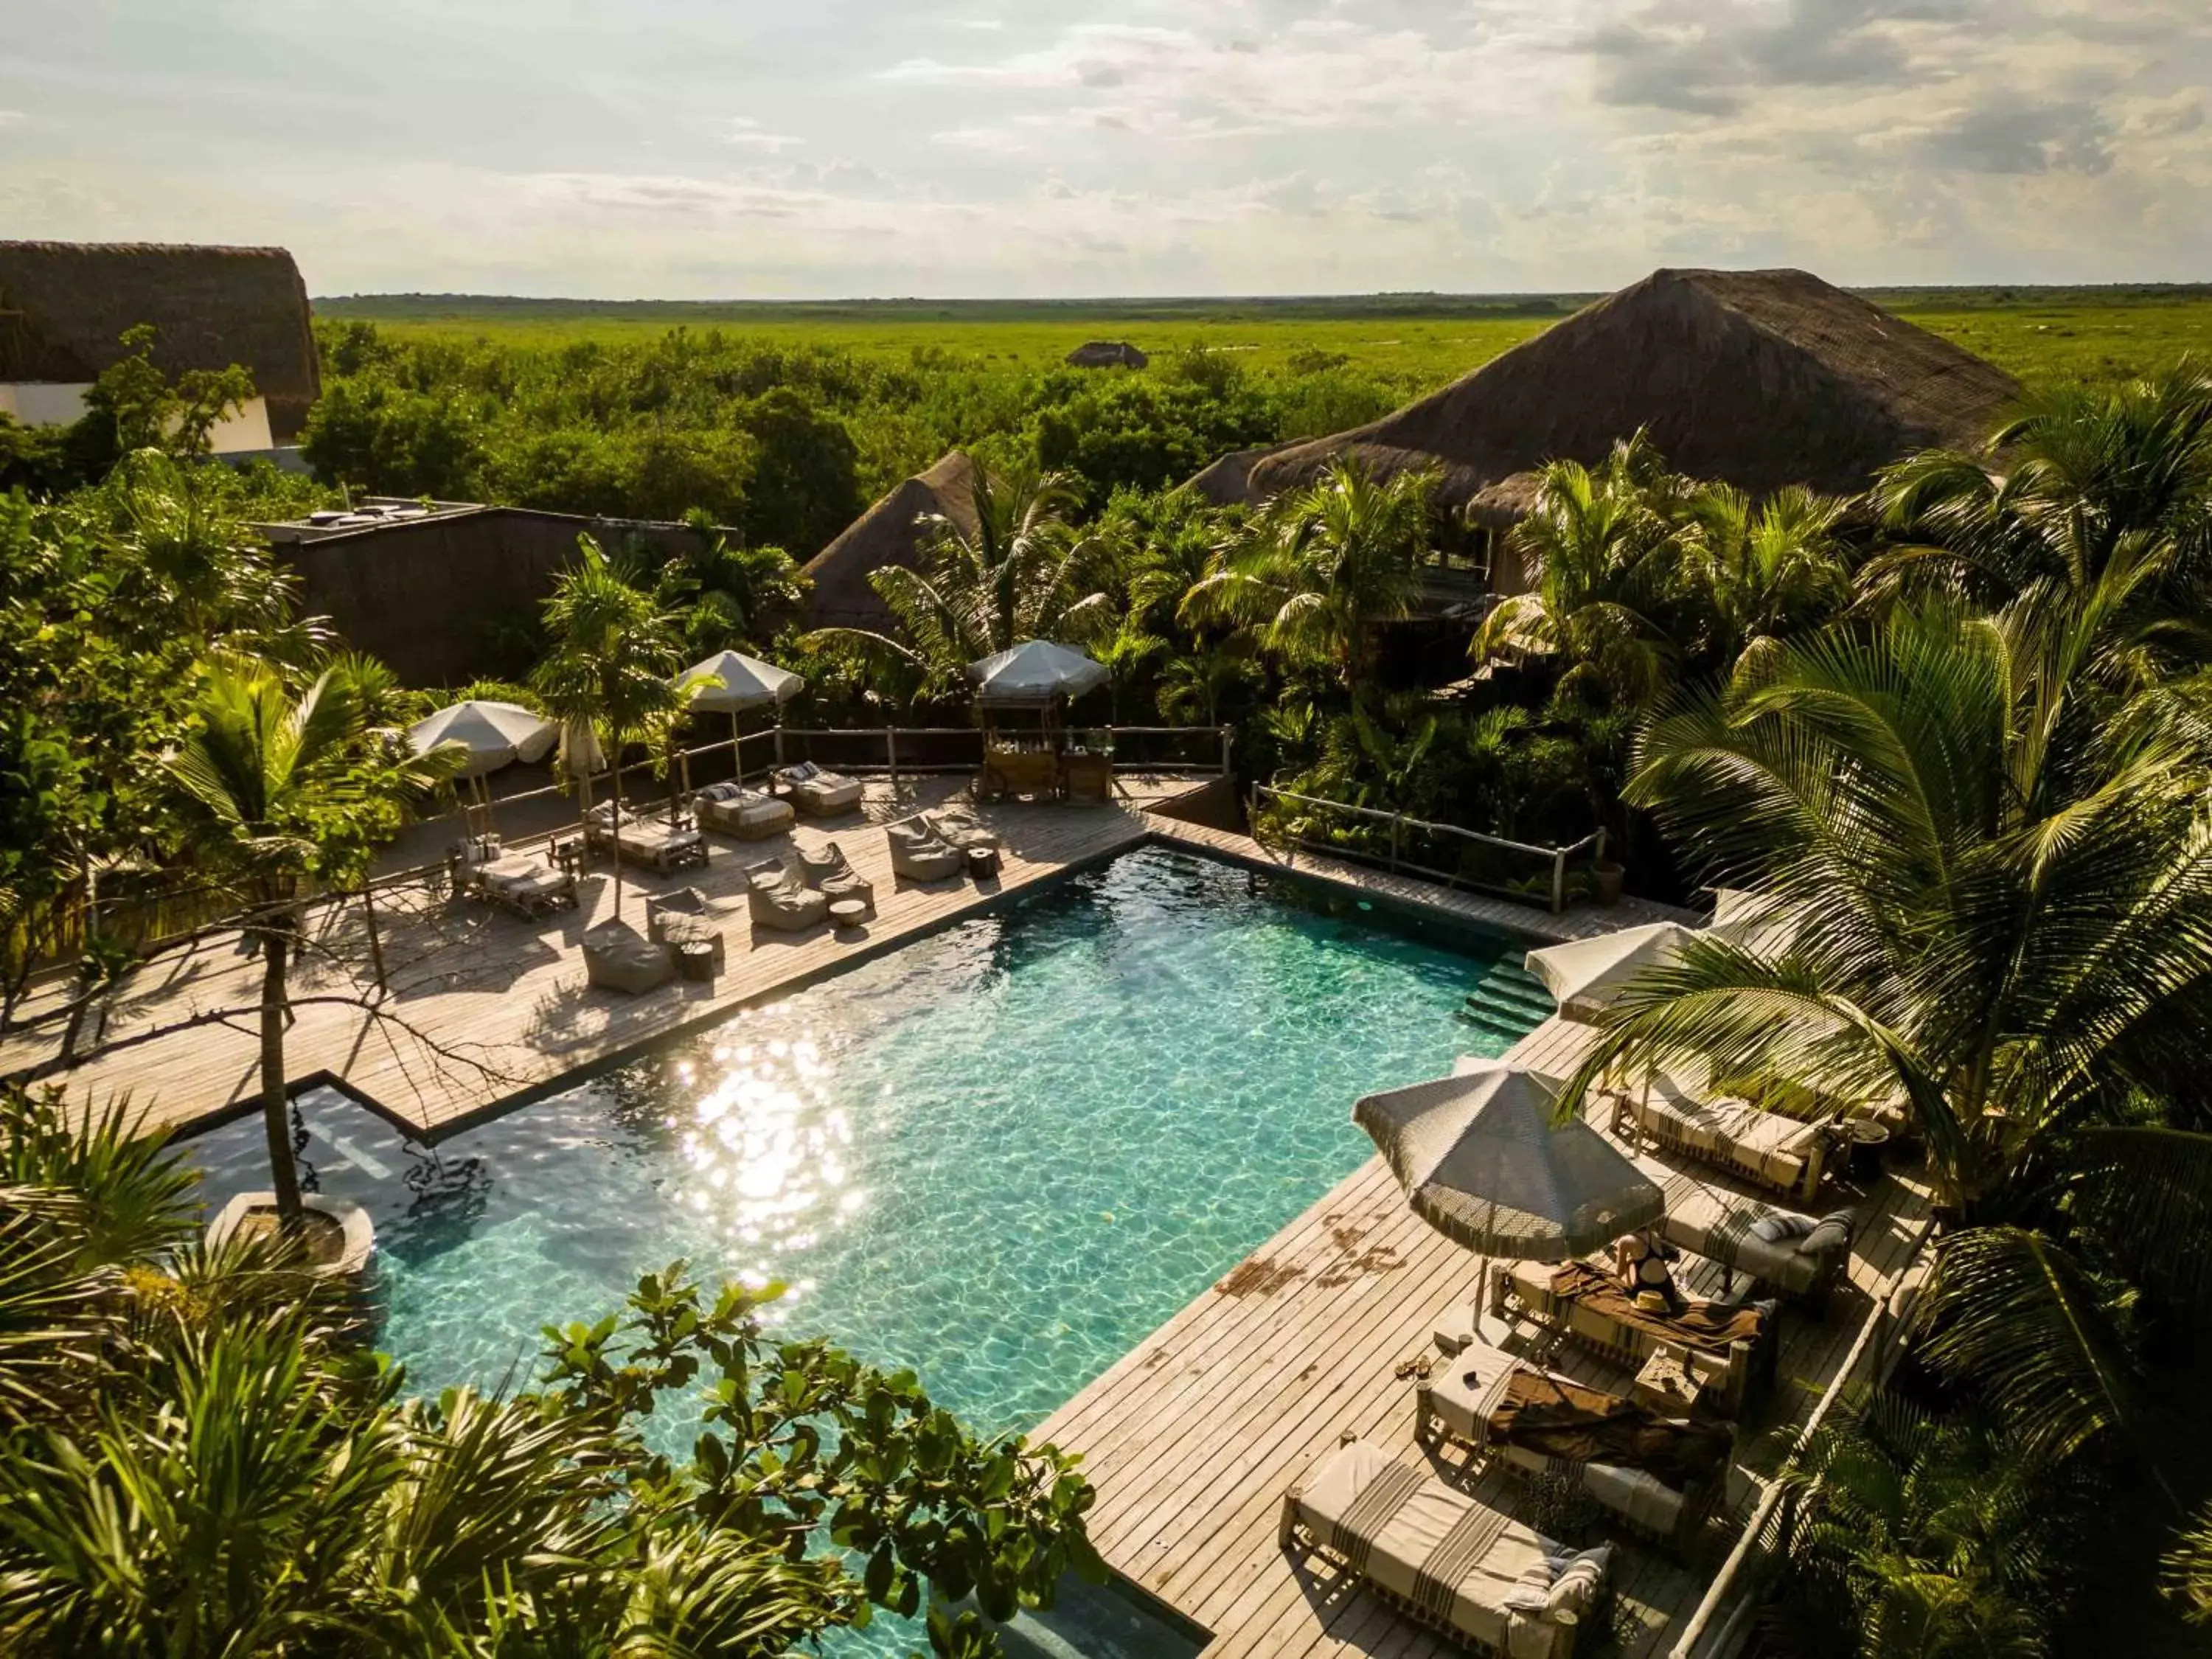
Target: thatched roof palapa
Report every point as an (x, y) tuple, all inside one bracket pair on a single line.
[(885, 535), (1106, 354), (1761, 378), (65, 305)]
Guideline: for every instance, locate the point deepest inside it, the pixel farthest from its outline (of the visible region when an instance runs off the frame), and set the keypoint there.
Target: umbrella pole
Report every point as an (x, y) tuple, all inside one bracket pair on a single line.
[(736, 751)]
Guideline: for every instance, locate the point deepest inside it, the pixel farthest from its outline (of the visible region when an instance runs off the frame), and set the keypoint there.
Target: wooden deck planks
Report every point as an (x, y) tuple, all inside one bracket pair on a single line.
[(486, 1010), (1192, 1437)]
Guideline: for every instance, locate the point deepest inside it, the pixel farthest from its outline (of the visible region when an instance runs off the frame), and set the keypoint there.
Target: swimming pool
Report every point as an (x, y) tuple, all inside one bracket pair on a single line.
[(1003, 1154)]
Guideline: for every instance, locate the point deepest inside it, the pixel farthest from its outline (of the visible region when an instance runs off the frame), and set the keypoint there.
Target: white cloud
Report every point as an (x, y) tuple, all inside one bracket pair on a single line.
[(12, 117), (1239, 145), (746, 133)]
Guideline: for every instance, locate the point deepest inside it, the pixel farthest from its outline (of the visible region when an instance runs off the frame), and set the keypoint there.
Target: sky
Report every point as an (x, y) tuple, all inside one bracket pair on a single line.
[(728, 148)]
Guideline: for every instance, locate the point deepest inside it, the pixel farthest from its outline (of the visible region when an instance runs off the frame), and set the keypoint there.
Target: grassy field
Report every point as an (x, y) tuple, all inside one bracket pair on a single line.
[(2047, 337)]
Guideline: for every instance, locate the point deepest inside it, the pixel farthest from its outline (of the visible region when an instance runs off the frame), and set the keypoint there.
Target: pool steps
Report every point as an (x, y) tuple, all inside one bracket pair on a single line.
[(1508, 1001)]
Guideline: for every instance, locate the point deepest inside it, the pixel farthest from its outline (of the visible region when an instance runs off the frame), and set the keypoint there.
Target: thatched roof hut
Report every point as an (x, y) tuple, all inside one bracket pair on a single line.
[(1106, 354), (1228, 480), (65, 306), (1763, 378), (885, 535)]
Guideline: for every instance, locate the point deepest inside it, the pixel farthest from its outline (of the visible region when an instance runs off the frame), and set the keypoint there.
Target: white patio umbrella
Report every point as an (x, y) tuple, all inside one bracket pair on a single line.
[(1484, 1161), (1585, 975), (1036, 671), (495, 734), (729, 681)]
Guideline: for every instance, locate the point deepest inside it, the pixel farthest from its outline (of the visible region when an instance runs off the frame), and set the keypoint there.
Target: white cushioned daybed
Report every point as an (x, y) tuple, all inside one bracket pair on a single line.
[(1444, 1558)]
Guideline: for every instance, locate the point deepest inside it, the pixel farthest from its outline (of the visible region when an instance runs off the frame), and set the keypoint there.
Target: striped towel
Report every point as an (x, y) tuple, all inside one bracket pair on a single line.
[(1364, 1517), (1457, 1554)]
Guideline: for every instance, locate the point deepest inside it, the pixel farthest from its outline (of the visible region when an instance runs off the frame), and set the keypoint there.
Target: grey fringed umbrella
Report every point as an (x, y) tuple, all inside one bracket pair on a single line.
[(1483, 1161)]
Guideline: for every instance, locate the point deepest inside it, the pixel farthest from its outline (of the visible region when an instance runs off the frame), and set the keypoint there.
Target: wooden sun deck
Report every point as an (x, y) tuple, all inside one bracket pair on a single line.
[(1193, 1438), (487, 1011)]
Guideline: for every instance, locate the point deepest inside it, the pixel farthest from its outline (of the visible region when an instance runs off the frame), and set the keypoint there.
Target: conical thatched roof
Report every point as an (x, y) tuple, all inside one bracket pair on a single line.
[(1228, 480), (885, 535), (1106, 354), (65, 306), (1763, 378)]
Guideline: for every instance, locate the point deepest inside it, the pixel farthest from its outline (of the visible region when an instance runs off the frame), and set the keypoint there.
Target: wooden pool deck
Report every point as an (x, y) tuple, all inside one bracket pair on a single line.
[(1193, 1436), (485, 1011)]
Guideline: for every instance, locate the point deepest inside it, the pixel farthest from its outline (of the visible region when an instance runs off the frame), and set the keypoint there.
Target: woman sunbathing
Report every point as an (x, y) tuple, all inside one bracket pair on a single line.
[(1638, 1259)]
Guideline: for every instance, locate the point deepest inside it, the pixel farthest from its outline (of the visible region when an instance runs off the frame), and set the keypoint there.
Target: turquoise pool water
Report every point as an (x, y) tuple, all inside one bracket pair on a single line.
[(1002, 1155)]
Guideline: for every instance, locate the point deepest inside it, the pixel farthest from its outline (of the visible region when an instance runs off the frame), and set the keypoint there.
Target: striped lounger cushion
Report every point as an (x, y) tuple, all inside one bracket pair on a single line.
[(1452, 1557)]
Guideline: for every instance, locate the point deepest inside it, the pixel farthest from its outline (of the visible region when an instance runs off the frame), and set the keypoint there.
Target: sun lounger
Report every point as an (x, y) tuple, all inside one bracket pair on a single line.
[(748, 814), (1729, 1347), (778, 896), (1765, 1148), (1659, 1474), (1797, 1254), (830, 873), (1446, 1560), (816, 792), (618, 958), (920, 853), (515, 881), (645, 839)]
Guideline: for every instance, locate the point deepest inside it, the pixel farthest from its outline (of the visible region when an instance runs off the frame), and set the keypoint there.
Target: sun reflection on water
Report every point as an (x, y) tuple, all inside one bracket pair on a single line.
[(767, 1149)]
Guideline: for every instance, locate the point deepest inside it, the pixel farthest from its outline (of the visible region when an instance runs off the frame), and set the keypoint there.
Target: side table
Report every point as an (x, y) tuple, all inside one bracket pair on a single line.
[(1666, 1384), (848, 913)]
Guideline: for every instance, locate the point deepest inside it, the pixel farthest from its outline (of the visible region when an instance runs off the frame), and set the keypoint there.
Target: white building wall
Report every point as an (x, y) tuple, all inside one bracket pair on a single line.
[(43, 403), (56, 403)]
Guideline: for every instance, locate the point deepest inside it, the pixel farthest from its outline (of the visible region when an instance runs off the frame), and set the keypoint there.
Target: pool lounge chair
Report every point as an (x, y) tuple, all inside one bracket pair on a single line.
[(748, 814), (1446, 1560), (515, 881), (618, 958), (1730, 1348), (817, 793), (777, 896), (920, 853), (648, 840), (1659, 1475), (1800, 1256), (830, 873), (1765, 1148)]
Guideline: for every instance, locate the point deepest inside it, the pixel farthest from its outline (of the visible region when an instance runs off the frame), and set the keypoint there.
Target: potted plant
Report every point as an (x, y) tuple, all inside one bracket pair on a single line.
[(1608, 876)]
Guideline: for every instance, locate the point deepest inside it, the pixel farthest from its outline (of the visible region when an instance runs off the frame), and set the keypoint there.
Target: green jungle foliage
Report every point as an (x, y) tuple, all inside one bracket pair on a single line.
[(201, 1457)]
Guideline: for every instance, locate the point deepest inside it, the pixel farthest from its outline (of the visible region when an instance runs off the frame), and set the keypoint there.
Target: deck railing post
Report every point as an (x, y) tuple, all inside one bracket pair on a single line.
[(1396, 819), (891, 754), (1559, 881), (1228, 748)]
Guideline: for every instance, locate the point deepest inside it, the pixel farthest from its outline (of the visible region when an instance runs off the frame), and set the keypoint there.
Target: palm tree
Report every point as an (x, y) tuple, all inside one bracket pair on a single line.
[(614, 648), (1916, 1537), (2092, 483), (1604, 555), (1763, 572), (1013, 578), (277, 791), (1998, 910), (1201, 680), (1320, 567)]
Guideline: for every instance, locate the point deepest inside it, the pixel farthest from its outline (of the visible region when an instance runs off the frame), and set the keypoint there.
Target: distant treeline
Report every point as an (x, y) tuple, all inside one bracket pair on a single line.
[(1224, 308)]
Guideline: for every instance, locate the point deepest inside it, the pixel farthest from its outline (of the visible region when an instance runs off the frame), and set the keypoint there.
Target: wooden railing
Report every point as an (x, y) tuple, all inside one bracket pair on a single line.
[(1718, 1627), (152, 920), (1441, 852)]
